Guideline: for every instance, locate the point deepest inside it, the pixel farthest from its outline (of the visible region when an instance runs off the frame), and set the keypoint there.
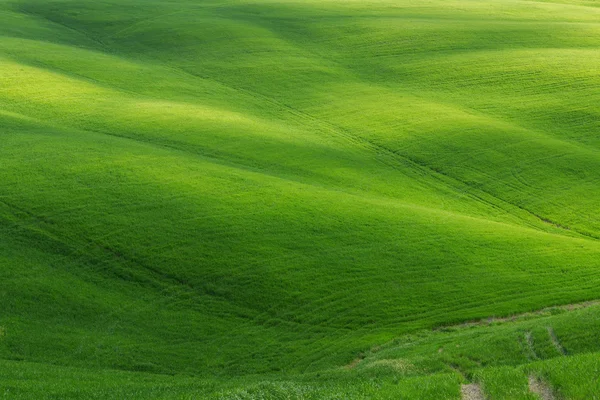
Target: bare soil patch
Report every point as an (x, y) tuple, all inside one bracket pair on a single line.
[(472, 391), (540, 388)]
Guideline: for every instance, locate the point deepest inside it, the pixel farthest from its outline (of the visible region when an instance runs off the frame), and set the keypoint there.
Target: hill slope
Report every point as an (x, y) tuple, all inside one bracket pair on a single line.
[(229, 188)]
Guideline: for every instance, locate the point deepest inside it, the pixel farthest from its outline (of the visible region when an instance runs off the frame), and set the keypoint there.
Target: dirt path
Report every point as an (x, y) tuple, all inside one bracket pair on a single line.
[(472, 391), (540, 388)]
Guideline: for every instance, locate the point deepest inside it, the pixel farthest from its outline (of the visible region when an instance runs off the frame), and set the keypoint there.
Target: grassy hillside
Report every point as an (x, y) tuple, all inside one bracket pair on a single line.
[(244, 192)]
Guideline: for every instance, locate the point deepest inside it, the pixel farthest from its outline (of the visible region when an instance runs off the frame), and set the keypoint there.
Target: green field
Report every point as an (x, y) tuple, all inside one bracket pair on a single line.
[(266, 199)]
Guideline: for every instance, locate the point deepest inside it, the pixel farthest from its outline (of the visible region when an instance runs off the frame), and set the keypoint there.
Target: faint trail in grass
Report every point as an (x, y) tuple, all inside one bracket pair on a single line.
[(84, 34), (540, 388), (555, 341), (539, 313), (354, 363), (529, 346), (391, 158), (144, 21), (220, 160), (398, 161)]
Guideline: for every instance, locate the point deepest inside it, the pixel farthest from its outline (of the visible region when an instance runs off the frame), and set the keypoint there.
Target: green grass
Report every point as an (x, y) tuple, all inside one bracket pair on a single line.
[(249, 194)]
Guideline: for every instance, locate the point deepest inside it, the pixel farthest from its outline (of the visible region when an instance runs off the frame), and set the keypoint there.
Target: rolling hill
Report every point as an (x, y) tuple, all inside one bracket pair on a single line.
[(298, 199)]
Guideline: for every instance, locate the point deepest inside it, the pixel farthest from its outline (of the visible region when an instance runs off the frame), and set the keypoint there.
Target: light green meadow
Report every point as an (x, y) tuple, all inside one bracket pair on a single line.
[(234, 199)]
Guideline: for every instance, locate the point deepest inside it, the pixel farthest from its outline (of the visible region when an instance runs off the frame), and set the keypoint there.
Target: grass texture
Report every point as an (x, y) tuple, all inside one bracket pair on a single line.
[(199, 193)]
